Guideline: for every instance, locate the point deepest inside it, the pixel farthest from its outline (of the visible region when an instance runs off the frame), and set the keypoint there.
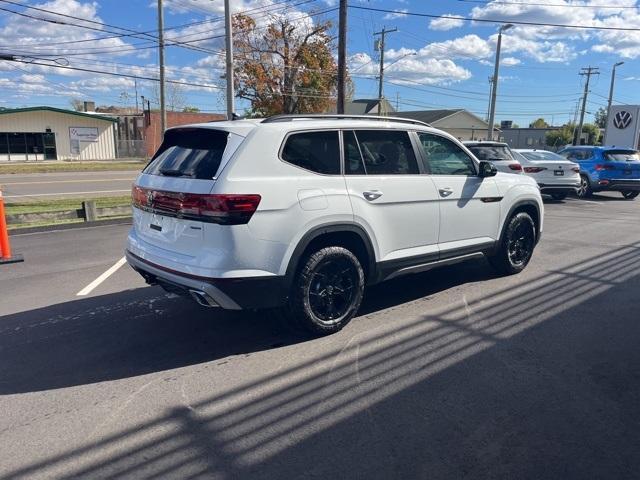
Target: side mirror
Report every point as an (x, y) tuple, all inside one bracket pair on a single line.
[(487, 169)]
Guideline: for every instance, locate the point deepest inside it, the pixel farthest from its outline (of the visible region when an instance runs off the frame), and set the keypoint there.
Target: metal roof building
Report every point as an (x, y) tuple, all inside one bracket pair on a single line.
[(48, 133)]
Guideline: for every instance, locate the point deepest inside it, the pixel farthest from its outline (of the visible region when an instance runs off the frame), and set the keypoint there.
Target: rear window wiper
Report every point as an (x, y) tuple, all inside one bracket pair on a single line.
[(170, 172)]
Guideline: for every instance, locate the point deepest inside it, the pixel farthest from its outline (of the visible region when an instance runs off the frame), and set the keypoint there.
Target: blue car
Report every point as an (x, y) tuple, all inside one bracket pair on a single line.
[(606, 169)]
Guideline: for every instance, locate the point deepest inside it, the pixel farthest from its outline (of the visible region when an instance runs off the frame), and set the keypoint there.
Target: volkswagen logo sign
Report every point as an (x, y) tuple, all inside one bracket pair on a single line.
[(622, 119)]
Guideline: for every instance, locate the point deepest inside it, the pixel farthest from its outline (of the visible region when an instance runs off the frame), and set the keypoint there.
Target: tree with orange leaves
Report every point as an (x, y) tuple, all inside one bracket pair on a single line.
[(286, 67)]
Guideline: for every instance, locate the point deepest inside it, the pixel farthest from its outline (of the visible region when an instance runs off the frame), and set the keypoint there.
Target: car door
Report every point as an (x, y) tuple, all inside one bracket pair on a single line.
[(469, 205), (390, 195)]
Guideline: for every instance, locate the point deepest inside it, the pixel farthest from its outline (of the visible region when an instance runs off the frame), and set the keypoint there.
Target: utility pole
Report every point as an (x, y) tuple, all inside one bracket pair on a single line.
[(380, 46), (584, 72), (342, 55), (163, 106), (613, 80), (229, 50), (135, 86), (494, 84), (489, 105)]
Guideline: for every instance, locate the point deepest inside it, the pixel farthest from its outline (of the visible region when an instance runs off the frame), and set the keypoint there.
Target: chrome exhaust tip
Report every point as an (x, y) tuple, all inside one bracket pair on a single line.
[(202, 298)]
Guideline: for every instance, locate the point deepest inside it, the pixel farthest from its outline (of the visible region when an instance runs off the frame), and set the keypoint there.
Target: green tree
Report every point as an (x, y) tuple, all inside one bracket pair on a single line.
[(601, 117), (539, 123), (593, 131), (560, 137), (189, 109)]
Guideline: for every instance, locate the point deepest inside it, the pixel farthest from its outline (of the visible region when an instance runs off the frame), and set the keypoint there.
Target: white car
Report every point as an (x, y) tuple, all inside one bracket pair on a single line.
[(497, 153), (555, 175), (301, 212)]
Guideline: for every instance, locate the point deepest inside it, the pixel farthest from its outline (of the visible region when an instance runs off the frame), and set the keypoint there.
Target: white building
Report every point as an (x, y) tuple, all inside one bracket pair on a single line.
[(47, 133)]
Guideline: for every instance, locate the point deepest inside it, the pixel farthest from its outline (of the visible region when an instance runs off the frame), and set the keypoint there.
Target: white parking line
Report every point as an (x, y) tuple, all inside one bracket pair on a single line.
[(89, 288)]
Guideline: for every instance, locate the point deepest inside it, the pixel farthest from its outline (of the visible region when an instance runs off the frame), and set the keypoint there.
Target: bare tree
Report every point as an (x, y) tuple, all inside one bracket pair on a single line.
[(175, 96)]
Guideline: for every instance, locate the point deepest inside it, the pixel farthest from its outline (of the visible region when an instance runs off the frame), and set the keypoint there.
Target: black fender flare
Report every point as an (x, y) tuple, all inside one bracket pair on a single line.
[(514, 207), (320, 230)]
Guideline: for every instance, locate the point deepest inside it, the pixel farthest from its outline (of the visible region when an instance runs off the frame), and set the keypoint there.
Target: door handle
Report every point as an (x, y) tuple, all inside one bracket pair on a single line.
[(445, 192), (372, 195)]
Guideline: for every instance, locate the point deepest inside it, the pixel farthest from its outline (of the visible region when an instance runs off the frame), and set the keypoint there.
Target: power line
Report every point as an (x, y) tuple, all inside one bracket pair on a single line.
[(485, 20), (569, 5)]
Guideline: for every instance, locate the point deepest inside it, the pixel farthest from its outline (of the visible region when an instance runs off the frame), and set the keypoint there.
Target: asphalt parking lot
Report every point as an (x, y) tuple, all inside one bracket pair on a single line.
[(453, 373)]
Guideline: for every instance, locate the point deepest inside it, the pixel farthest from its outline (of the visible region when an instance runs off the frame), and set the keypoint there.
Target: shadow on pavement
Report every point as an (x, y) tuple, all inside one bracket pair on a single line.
[(538, 381), (141, 331)]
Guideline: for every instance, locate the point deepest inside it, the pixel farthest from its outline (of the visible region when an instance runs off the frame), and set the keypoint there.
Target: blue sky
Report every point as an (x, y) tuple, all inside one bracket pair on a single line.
[(432, 63)]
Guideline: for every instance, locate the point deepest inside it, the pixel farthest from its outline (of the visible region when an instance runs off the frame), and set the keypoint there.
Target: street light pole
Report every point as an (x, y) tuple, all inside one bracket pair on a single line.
[(613, 80), (494, 89)]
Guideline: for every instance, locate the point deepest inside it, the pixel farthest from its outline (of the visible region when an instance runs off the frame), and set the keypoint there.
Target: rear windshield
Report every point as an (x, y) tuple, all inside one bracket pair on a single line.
[(542, 155), (622, 155), (189, 152), (490, 152)]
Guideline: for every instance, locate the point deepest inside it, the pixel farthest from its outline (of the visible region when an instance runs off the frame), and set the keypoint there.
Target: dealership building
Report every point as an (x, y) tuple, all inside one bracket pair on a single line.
[(48, 133)]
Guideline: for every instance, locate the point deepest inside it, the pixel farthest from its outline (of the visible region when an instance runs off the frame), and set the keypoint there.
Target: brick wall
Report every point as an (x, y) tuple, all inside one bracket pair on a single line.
[(153, 134)]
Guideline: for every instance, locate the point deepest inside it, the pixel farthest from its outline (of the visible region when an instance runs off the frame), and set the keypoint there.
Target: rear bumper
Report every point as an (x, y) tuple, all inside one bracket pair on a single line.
[(618, 184), (558, 187), (227, 293)]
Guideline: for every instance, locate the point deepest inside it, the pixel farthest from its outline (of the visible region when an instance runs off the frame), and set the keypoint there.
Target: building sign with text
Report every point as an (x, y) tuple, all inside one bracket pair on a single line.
[(83, 134)]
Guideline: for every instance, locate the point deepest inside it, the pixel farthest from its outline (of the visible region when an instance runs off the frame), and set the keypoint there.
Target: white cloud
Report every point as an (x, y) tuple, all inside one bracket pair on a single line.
[(400, 13), (446, 23), (510, 61)]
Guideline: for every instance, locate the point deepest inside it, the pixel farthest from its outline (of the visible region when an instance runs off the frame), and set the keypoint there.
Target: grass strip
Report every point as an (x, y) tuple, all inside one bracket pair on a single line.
[(41, 206), (18, 168)]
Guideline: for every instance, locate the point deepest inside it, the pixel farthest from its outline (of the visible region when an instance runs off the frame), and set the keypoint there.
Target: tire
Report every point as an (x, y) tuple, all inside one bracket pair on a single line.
[(558, 196), (516, 246), (629, 195), (585, 187), (326, 292)]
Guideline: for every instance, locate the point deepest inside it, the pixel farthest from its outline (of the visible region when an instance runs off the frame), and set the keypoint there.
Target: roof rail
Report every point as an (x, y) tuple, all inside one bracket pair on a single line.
[(322, 116)]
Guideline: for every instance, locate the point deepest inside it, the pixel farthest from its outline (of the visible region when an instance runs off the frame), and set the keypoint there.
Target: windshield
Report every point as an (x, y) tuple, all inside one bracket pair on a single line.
[(542, 155), (622, 155), (189, 152), (491, 152)]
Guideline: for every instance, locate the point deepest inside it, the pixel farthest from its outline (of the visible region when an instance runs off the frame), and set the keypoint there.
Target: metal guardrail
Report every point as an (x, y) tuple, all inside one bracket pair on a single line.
[(88, 213)]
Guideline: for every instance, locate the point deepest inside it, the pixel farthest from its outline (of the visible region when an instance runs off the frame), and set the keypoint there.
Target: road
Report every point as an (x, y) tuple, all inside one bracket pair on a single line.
[(41, 186), (453, 373)]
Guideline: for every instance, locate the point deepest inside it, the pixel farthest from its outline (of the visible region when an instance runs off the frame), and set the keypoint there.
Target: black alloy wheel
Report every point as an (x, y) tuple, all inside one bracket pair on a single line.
[(629, 195)]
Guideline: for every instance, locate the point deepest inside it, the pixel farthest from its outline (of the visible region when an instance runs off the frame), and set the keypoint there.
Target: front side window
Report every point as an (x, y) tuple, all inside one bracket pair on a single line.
[(315, 151), (384, 152), (445, 157), (189, 152)]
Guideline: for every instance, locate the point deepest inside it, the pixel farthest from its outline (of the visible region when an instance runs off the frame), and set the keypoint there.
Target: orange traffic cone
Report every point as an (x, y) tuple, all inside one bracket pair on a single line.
[(5, 246)]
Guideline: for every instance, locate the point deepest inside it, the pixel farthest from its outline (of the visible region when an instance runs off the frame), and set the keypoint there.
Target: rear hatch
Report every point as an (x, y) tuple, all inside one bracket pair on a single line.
[(621, 164), (172, 196)]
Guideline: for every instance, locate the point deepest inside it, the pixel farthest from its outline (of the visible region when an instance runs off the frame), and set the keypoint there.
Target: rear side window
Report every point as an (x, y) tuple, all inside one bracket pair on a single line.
[(189, 152), (622, 155), (578, 154), (445, 157), (383, 152), (315, 151), (491, 153)]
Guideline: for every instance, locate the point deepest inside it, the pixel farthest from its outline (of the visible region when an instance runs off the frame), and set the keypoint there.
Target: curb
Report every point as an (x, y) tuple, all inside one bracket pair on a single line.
[(70, 226)]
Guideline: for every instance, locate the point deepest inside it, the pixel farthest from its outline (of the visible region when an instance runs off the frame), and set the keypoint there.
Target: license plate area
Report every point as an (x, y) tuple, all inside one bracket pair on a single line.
[(558, 173)]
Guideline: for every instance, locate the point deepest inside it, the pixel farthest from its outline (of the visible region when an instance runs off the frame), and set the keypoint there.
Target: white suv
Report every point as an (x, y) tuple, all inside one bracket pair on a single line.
[(301, 212)]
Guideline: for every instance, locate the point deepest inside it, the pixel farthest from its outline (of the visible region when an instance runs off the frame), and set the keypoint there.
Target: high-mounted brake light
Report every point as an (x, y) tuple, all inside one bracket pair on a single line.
[(601, 166), (224, 209), (515, 166), (534, 169)]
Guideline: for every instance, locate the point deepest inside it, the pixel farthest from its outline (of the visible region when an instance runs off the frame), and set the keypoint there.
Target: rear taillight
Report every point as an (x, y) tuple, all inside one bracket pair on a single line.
[(534, 169), (601, 166), (575, 169), (515, 166), (225, 209)]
